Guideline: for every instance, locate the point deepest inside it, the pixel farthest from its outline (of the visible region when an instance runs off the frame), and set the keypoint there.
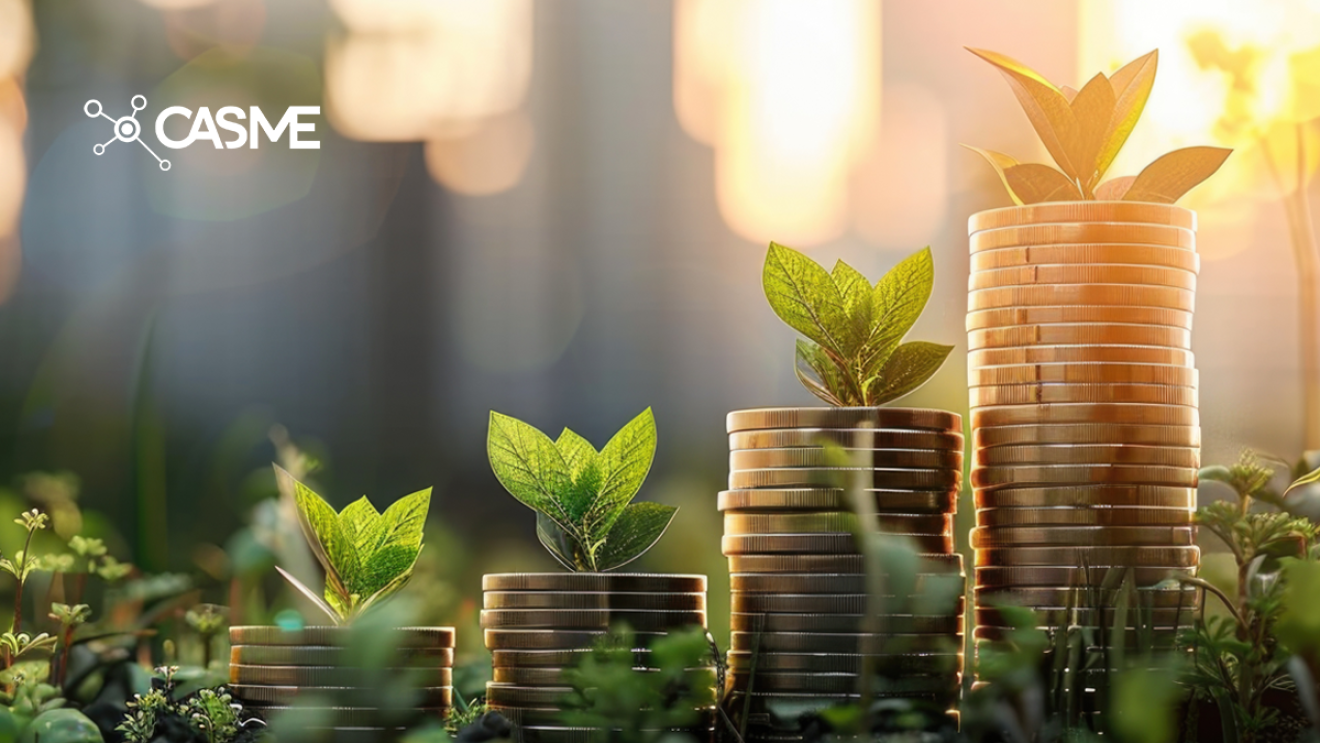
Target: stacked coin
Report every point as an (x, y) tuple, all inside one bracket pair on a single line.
[(1086, 433), (270, 668), (537, 625), (810, 627)]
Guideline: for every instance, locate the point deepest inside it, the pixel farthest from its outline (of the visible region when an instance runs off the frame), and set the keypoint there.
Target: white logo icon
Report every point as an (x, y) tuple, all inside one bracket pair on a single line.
[(127, 129)]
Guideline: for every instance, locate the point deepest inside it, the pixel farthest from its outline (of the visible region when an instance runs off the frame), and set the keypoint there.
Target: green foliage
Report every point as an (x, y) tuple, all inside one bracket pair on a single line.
[(854, 354), (609, 693), (17, 644), (61, 726), (210, 712), (582, 497), (1238, 659), (367, 556)]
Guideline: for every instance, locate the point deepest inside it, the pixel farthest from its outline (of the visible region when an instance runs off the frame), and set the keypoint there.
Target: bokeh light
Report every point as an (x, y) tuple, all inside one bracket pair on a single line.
[(485, 161)]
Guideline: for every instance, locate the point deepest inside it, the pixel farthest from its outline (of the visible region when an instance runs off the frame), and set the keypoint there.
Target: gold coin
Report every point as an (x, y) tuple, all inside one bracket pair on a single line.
[(536, 697), (1084, 253), (846, 663), (332, 677), (845, 623), (998, 477), (1083, 373), (783, 587), (812, 642), (1079, 334), (558, 733), (1083, 496), (820, 543), (1064, 234), (1160, 639), (1164, 456), (1071, 516), (1097, 294), (404, 637), (811, 603), (573, 619), (556, 658), (807, 457), (1160, 598), (825, 499), (1035, 394), (1102, 616), (551, 719), (854, 438), (1086, 433), (1084, 412), (887, 418), (833, 521), (541, 639), (847, 564), (622, 582), (350, 719), (284, 655), (1070, 576), (555, 676), (826, 683), (1097, 557), (1083, 536), (1020, 355), (426, 696), (593, 600), (1072, 273), (888, 479), (1083, 211)]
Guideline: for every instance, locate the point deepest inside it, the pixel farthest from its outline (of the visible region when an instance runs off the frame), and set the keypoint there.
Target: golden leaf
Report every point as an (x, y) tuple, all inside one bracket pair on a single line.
[(1093, 110), (1069, 93), (1170, 176), (1000, 162), (1045, 105), (1114, 189), (1131, 84), (1034, 183)]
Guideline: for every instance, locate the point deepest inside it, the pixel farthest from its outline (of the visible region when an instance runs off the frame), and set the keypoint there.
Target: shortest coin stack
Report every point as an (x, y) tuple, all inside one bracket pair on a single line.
[(805, 628), (272, 668), (537, 625)]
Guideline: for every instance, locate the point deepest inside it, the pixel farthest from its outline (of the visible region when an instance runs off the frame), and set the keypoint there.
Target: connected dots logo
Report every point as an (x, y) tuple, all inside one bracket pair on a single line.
[(127, 128)]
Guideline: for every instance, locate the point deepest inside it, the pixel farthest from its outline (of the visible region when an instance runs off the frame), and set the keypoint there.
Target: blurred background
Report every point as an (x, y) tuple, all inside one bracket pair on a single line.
[(557, 210)]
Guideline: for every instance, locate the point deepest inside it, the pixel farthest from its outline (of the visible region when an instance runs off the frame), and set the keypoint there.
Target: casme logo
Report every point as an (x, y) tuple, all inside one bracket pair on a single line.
[(129, 129)]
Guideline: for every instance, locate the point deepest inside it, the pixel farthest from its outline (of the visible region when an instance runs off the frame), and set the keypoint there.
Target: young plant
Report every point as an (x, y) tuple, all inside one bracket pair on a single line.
[(209, 715), (854, 354), (22, 565), (1083, 130), (1237, 659), (70, 619), (207, 620), (367, 556), (582, 497)]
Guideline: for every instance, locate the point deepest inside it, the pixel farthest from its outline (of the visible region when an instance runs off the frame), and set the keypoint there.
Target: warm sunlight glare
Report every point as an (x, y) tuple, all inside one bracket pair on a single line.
[(788, 95)]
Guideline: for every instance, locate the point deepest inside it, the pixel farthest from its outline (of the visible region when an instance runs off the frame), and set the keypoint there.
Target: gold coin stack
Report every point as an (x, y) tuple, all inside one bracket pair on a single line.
[(806, 629), (272, 668), (539, 624), (1086, 434)]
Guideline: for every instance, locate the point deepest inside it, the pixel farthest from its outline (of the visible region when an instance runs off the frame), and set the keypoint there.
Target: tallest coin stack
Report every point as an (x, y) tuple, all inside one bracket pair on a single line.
[(1086, 435)]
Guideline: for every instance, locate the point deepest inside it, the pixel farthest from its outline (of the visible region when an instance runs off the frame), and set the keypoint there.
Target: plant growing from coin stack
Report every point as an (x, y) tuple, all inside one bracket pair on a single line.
[(367, 555), (582, 497), (1083, 130), (854, 354)]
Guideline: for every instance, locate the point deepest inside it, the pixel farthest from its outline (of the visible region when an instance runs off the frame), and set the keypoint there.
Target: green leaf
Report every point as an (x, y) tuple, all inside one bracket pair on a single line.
[(857, 305), (900, 297), (1303, 481), (828, 378), (528, 465), (624, 463), (397, 543), (634, 532), (559, 543), (359, 522), (805, 297), (910, 366), (336, 616), (583, 470), (320, 525)]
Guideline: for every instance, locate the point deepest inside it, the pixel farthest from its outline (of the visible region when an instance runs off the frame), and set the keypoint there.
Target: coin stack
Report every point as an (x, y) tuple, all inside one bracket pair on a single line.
[(539, 624), (1086, 435), (806, 629), (270, 668)]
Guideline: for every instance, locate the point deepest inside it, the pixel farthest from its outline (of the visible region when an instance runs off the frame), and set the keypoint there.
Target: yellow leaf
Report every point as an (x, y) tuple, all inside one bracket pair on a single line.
[(1131, 85), (1034, 183), (1170, 176), (1045, 105), (1093, 110), (1000, 162), (1114, 189)]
